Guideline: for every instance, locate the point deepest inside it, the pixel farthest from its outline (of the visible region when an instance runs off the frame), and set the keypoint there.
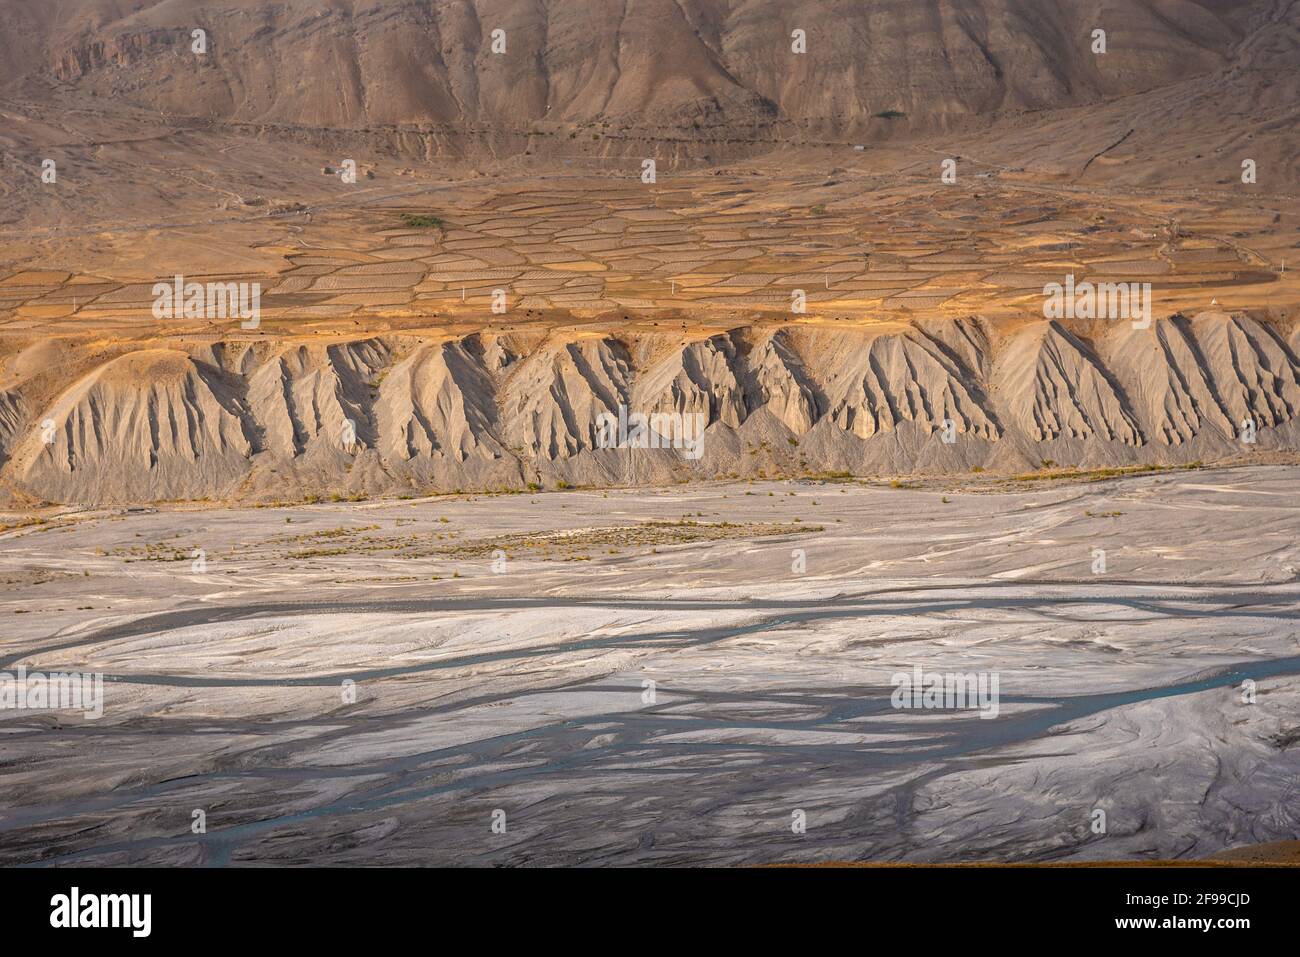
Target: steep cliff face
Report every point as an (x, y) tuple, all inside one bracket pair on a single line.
[(380, 415)]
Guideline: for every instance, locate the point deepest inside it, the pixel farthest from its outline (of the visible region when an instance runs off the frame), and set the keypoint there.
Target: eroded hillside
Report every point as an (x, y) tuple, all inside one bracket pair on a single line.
[(405, 414)]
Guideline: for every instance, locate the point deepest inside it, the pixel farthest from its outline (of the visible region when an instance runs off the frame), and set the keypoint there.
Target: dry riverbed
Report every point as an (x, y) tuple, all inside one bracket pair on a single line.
[(674, 676)]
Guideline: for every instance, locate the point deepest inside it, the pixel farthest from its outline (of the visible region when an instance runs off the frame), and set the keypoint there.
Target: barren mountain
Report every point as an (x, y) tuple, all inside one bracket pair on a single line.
[(507, 71), (360, 63)]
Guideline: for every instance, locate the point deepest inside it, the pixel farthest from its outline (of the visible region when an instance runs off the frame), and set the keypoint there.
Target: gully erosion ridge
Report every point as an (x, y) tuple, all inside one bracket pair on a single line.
[(270, 419)]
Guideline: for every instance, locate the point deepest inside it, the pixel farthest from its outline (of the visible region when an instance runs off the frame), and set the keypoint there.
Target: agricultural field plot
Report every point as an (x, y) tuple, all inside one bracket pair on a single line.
[(582, 247)]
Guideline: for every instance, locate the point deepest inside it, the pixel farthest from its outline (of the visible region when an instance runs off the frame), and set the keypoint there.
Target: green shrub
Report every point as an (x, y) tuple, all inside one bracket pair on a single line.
[(420, 221)]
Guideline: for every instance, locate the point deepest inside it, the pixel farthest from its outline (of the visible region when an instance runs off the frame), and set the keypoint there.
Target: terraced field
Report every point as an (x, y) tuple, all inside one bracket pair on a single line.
[(856, 245)]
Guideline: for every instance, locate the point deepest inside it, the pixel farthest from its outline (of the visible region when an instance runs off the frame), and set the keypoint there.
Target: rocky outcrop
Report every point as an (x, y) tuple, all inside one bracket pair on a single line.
[(780, 383)]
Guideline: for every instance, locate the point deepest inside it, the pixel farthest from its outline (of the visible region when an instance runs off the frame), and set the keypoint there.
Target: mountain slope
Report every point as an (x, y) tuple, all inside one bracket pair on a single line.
[(491, 411), (364, 63)]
